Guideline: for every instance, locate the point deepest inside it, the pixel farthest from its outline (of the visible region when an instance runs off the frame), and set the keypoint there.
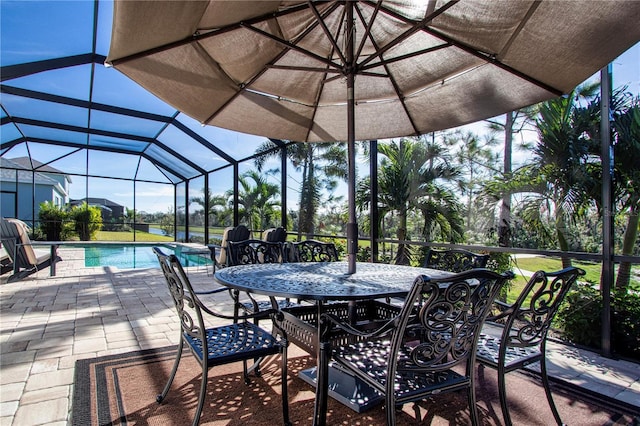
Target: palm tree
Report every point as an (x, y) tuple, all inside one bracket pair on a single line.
[(627, 164), (410, 179), (320, 164), (219, 210), (257, 199), (625, 112), (556, 181)]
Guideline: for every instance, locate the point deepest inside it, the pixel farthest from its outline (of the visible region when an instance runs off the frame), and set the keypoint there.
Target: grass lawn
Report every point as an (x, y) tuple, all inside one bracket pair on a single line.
[(128, 236), (532, 264)]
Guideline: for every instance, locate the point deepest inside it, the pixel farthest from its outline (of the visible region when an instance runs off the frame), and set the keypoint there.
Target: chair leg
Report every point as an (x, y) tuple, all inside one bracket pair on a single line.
[(203, 392), (161, 397), (471, 396), (547, 390), (502, 390), (390, 410)]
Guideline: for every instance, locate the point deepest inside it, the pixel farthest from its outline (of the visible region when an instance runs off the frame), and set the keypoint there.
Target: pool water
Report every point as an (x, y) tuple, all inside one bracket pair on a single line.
[(128, 256)]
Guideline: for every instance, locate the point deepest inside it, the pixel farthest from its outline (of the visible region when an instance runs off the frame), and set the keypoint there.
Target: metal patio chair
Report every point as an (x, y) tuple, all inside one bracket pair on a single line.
[(250, 252), (427, 349), (517, 335), (241, 340), (455, 260), (275, 235), (312, 251)]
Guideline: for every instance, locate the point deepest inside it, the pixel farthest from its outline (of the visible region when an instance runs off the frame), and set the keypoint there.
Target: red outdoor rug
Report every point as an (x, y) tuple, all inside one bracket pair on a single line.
[(122, 389)]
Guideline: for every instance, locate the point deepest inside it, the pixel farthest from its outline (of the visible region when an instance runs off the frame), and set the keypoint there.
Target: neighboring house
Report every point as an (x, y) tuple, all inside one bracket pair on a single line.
[(23, 186), (108, 208)]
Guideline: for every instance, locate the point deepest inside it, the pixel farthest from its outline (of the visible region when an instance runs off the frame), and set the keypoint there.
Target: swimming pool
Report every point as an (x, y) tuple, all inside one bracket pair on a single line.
[(135, 256)]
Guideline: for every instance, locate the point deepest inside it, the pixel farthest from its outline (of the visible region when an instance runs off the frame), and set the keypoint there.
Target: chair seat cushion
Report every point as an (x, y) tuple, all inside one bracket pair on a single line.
[(234, 342), (372, 358)]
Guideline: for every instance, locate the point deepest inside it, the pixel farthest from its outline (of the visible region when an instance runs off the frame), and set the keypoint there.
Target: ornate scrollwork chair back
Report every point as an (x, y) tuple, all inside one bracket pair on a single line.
[(250, 252), (240, 340), (429, 347), (313, 251), (516, 335), (455, 260)]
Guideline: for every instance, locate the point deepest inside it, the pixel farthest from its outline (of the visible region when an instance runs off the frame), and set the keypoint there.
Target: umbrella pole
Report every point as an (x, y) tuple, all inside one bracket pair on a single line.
[(352, 226)]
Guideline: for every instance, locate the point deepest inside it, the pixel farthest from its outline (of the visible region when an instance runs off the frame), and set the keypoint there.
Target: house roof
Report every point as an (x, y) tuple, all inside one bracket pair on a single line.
[(100, 201), (25, 174)]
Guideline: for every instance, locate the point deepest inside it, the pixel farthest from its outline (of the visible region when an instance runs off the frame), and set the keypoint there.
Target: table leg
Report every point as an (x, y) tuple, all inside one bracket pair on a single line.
[(322, 387)]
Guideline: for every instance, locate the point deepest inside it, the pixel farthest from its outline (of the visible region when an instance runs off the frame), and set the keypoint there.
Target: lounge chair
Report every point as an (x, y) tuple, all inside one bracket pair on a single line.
[(219, 254), (275, 235), (25, 258)]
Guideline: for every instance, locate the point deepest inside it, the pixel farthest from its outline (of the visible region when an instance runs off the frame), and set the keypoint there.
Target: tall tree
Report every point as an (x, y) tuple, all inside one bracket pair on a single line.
[(625, 115), (477, 160), (557, 178), (627, 163), (320, 165), (515, 123)]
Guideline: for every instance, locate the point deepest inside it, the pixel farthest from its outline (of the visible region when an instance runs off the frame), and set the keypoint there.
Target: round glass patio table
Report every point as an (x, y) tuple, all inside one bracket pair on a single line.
[(324, 281)]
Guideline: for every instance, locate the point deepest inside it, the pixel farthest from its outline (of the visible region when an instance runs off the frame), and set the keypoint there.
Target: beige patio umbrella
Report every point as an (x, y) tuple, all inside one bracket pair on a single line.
[(311, 71)]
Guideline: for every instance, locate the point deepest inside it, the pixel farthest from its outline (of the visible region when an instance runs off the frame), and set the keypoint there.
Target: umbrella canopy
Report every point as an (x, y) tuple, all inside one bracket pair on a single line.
[(344, 70)]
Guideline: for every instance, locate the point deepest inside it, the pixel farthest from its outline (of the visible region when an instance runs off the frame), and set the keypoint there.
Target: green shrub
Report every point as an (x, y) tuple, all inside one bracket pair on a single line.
[(501, 262), (580, 321), (52, 221), (88, 221)]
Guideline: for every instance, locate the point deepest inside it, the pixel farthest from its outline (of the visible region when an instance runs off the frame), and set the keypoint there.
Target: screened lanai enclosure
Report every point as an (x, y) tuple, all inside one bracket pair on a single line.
[(76, 134), (74, 130)]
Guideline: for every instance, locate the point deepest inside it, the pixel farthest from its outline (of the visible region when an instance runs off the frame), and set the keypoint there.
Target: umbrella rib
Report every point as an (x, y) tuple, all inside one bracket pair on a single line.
[(491, 59), (484, 56), (333, 41), (516, 33), (243, 87), (321, 87), (212, 33), (415, 27), (367, 31), (399, 94), (299, 68), (406, 56), (291, 46)]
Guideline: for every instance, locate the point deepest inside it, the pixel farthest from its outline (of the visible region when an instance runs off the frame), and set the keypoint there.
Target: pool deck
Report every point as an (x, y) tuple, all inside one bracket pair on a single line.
[(47, 323)]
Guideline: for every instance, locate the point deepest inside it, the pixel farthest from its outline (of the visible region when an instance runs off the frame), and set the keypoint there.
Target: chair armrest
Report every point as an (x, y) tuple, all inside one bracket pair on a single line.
[(503, 310), (263, 314), (212, 249), (214, 291)]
